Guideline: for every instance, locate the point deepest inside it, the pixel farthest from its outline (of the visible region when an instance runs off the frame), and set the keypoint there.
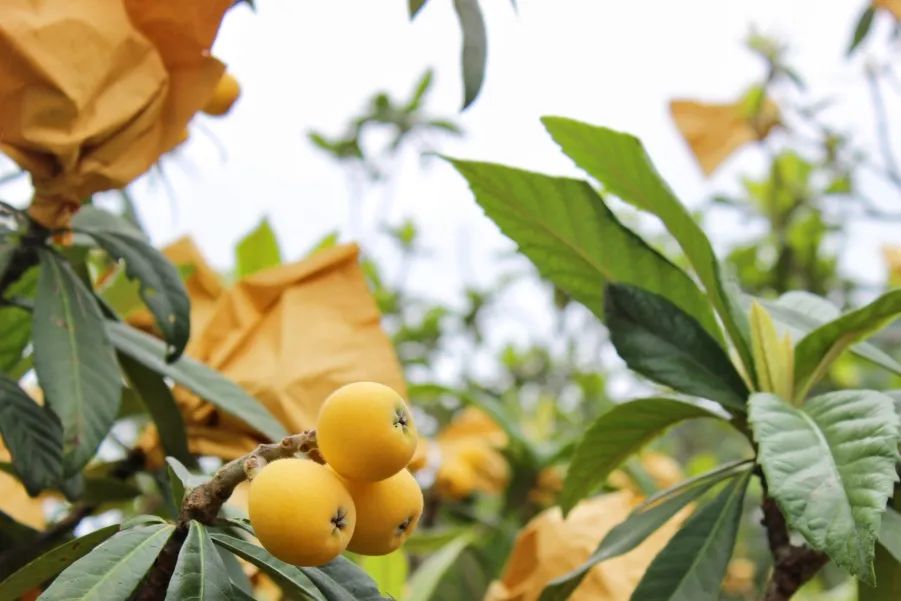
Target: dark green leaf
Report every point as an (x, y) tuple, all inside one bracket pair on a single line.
[(662, 342), (641, 523), (425, 580), (615, 435), (344, 577), (862, 28), (157, 398), (415, 6), (199, 572), (236, 573), (890, 532), (816, 351), (205, 382), (289, 577), (619, 162), (803, 312), (257, 251), (161, 286), (112, 571), (33, 436), (830, 465), (107, 490), (15, 323), (692, 565), (575, 240), (74, 361), (52, 563), (475, 47)]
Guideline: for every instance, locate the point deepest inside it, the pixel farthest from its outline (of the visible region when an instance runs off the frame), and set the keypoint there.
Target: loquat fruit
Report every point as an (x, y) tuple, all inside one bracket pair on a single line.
[(387, 512), (365, 431), (301, 511), (224, 96)]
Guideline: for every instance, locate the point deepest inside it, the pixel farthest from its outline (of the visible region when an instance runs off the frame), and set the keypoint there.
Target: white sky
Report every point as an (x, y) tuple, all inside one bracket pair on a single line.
[(306, 65)]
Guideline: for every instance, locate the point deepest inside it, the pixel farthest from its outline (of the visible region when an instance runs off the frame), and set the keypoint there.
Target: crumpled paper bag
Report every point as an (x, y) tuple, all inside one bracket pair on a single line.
[(550, 546), (289, 336), (715, 131), (470, 457), (93, 92)]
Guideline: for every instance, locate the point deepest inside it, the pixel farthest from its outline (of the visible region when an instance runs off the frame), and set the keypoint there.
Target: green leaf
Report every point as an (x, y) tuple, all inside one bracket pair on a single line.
[(692, 565), (15, 323), (415, 6), (475, 47), (830, 465), (351, 577), (157, 398), (816, 351), (864, 22), (74, 361), (199, 572), (161, 286), (257, 251), (424, 582), (388, 571), (422, 86), (803, 312), (236, 574), (575, 241), (289, 577), (33, 436), (107, 490), (330, 240), (112, 571), (620, 162), (890, 532), (203, 381), (662, 342), (52, 563), (615, 435), (641, 523)]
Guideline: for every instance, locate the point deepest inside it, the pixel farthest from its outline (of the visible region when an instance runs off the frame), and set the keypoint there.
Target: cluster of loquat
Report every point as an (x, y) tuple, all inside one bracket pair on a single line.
[(363, 500)]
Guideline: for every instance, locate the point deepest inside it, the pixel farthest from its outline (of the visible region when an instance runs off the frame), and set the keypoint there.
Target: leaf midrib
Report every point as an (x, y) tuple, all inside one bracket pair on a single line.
[(78, 393), (707, 541), (131, 553)]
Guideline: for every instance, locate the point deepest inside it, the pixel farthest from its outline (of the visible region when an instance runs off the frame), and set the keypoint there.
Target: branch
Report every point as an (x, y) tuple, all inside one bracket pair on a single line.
[(792, 565), (204, 502)]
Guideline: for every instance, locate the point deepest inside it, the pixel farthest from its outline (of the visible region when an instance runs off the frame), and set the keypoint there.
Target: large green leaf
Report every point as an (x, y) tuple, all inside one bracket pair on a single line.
[(160, 403), (52, 563), (353, 578), (199, 572), (388, 571), (816, 351), (15, 322), (205, 382), (74, 361), (112, 571), (803, 312), (426, 578), (33, 436), (257, 251), (662, 342), (830, 465), (475, 47), (641, 523), (287, 576), (161, 286), (890, 532), (692, 565), (619, 162), (615, 435), (576, 242)]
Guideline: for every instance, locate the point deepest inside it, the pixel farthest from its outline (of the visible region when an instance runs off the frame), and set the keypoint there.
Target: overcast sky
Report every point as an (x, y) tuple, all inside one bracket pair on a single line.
[(306, 64)]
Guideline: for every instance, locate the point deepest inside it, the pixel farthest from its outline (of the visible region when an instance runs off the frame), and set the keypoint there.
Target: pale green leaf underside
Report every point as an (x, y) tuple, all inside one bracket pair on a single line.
[(830, 466)]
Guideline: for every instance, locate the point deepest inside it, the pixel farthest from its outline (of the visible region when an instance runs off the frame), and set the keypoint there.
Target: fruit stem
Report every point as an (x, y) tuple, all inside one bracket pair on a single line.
[(204, 502)]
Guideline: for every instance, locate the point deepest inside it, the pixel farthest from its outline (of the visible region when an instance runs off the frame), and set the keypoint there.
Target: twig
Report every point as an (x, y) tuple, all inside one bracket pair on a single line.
[(793, 565), (204, 502)]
